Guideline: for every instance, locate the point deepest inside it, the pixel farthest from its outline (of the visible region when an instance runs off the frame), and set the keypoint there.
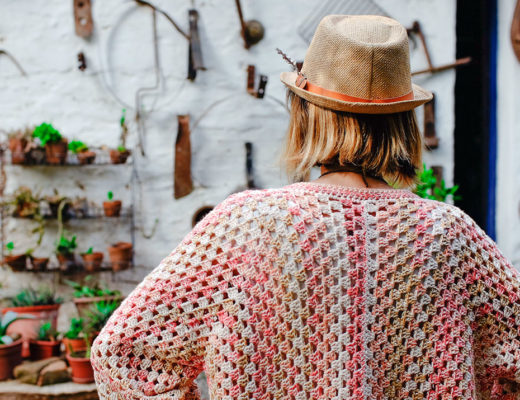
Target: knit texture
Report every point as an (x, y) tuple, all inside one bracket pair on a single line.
[(317, 291)]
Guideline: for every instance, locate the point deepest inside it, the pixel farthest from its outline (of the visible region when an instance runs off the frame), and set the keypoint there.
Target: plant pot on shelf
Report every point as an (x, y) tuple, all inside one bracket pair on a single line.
[(17, 147), (10, 357), (28, 328), (54, 207), (86, 157), (119, 157), (36, 155), (84, 304), (41, 349), (67, 262), (16, 262), (39, 264), (56, 152), (120, 255), (92, 261), (112, 208), (82, 371)]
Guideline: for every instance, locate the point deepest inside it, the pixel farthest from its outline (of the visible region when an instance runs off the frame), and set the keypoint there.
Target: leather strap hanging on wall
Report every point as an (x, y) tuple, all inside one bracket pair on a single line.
[(515, 30), (183, 184)]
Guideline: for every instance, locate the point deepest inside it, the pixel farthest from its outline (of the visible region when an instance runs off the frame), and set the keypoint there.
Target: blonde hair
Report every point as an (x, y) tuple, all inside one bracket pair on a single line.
[(386, 145)]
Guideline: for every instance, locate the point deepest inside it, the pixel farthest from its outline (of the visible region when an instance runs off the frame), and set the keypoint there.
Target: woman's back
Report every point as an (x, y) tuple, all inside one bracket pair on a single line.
[(319, 291)]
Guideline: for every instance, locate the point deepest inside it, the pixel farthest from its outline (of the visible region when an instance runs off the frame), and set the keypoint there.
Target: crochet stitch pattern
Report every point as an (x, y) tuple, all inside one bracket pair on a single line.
[(315, 291)]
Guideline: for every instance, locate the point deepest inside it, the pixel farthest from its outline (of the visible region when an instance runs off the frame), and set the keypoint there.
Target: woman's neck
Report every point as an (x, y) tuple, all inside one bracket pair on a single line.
[(350, 179)]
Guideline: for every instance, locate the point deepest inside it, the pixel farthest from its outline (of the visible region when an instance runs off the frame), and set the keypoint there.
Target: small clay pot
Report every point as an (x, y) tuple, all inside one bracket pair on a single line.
[(17, 147), (39, 264), (112, 208), (74, 345), (119, 157), (120, 255), (56, 153), (16, 262), (67, 262), (36, 156), (41, 349), (86, 157), (10, 357), (54, 207), (92, 262), (82, 371)]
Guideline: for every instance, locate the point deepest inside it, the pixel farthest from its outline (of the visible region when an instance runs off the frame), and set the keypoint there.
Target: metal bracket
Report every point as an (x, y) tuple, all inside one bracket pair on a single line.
[(83, 18), (259, 92), (194, 53), (430, 135), (82, 62)]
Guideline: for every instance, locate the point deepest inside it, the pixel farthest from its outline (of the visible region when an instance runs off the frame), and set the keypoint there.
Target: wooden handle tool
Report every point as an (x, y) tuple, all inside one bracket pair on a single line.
[(183, 184)]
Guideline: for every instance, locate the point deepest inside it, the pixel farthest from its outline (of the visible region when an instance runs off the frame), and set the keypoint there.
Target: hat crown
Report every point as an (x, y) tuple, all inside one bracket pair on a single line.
[(362, 56)]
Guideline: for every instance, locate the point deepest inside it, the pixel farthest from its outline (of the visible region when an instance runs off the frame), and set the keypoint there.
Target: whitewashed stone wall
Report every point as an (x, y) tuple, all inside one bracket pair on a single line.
[(40, 34)]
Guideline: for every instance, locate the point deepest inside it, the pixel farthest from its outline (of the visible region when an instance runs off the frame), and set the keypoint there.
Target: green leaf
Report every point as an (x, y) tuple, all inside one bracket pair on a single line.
[(10, 246), (110, 195)]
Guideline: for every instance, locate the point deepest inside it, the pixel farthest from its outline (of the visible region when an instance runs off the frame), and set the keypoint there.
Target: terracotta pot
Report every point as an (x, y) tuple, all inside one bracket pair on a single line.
[(82, 371), (41, 349), (120, 255), (83, 304), (10, 357), (17, 262), (39, 264), (28, 328), (54, 207), (36, 155), (17, 147), (86, 157), (67, 262), (56, 153), (119, 157), (112, 208), (74, 345), (92, 262)]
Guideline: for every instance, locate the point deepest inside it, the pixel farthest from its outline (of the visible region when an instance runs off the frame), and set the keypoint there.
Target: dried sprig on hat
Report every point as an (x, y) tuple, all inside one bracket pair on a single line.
[(289, 61)]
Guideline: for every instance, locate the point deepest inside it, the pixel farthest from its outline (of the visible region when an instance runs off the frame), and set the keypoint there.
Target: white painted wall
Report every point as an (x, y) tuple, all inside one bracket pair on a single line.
[(508, 162), (40, 35)]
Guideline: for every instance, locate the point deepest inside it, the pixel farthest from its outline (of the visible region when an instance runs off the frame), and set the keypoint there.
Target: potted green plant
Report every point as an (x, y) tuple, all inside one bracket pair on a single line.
[(10, 345), (92, 260), (99, 314), (121, 153), (80, 364), (429, 187), (112, 207), (81, 150), (46, 343), (65, 252), (120, 255), (17, 262), (18, 146), (74, 339), (91, 292), (42, 304), (23, 204), (55, 145)]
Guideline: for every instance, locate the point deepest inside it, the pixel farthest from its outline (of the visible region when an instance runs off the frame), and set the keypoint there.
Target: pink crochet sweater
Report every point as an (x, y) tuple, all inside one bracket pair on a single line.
[(316, 291)]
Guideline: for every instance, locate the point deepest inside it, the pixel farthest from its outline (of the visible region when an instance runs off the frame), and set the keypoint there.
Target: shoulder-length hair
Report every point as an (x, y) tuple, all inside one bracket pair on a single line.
[(386, 145)]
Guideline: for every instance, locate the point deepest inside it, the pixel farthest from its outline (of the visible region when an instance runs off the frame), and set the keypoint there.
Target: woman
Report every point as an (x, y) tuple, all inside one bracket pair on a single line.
[(340, 288)]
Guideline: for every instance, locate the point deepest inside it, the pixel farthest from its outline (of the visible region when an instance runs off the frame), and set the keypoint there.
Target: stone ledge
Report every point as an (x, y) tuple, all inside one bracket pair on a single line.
[(14, 390)]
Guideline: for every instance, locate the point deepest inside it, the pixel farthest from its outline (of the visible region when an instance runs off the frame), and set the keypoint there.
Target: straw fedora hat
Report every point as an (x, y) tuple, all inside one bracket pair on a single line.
[(360, 64)]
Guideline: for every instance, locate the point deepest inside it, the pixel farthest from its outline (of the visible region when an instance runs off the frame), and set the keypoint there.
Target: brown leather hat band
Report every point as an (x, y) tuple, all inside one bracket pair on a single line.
[(303, 83)]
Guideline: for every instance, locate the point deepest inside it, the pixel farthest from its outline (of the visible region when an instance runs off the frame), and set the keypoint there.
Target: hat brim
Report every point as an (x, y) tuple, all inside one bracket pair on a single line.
[(420, 96)]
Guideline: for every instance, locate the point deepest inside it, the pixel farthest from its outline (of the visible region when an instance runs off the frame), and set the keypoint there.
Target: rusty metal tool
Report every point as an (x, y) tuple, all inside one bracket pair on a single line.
[(259, 92), (83, 18), (82, 62), (417, 30), (515, 30), (194, 53), (183, 184), (430, 135), (14, 61), (252, 31)]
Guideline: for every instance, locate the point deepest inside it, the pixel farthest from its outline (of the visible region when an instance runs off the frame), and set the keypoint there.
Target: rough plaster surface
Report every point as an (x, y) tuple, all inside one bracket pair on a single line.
[(120, 59), (508, 163)]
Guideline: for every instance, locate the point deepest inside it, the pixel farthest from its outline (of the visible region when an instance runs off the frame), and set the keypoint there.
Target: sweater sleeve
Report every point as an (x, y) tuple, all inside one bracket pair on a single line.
[(494, 286), (153, 346)]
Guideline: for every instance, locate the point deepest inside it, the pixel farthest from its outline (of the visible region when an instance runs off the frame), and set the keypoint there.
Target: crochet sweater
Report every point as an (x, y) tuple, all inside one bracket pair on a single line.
[(316, 291)]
